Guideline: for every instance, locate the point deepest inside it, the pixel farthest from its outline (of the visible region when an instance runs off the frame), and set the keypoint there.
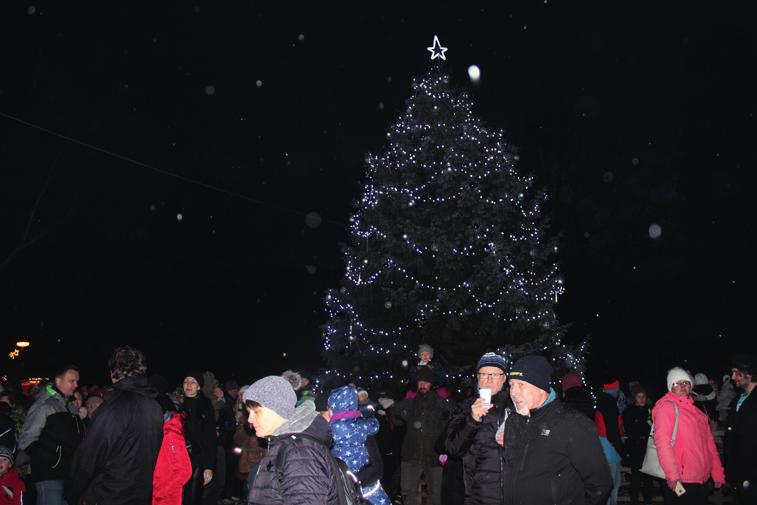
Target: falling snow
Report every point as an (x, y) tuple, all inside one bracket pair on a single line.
[(474, 73), (655, 231), (313, 220)]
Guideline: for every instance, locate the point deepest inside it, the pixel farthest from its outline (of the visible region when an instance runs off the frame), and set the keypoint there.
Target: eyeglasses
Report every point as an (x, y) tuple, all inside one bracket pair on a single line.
[(490, 375), (681, 384)]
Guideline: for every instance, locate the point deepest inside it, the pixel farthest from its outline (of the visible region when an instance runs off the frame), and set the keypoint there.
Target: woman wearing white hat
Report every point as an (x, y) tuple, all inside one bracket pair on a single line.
[(689, 459)]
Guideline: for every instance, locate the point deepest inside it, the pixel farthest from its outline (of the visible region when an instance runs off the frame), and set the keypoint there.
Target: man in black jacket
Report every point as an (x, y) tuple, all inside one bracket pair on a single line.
[(426, 417), (296, 469), (115, 463), (551, 453), (741, 435), (471, 434)]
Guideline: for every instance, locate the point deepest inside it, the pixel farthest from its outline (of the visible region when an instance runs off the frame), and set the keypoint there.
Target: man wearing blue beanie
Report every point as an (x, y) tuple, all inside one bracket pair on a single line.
[(471, 434), (551, 452)]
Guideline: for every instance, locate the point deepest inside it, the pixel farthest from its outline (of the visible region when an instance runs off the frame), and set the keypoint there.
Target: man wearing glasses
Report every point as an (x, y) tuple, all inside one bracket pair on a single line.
[(471, 433)]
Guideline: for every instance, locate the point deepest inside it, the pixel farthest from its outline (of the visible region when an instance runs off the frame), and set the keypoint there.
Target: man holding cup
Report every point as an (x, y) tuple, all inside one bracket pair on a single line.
[(471, 433)]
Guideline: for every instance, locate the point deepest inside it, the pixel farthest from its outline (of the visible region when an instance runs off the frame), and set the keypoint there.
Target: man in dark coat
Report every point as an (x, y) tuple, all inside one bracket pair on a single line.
[(426, 417), (296, 470), (551, 453), (741, 435), (471, 434), (115, 462)]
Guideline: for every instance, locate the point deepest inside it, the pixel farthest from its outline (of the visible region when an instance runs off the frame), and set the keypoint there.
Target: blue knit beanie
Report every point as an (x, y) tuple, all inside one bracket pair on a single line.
[(492, 359)]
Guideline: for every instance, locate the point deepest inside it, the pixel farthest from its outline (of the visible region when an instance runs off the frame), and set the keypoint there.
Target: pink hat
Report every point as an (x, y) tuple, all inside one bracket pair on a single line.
[(571, 380)]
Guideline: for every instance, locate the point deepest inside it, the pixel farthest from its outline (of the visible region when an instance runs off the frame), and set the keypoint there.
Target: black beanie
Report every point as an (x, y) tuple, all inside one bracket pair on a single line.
[(533, 369), (196, 375), (744, 363), (426, 374)]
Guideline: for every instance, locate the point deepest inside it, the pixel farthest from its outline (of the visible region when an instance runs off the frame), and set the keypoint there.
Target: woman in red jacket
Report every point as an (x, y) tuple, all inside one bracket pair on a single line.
[(692, 459)]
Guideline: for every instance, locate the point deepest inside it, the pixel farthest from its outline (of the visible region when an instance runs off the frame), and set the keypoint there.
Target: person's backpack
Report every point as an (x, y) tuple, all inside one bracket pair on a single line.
[(347, 486)]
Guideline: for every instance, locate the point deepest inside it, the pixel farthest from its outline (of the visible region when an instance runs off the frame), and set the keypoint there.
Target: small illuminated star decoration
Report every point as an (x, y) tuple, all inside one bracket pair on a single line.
[(436, 50)]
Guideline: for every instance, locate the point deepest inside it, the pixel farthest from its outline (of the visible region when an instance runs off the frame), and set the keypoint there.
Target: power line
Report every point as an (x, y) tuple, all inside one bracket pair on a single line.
[(160, 170)]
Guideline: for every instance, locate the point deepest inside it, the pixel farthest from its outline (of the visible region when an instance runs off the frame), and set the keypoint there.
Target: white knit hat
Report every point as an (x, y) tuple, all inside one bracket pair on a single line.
[(676, 374), (701, 379)]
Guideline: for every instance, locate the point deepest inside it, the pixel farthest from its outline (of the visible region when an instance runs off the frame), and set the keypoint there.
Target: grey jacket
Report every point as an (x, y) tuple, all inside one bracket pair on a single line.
[(51, 433)]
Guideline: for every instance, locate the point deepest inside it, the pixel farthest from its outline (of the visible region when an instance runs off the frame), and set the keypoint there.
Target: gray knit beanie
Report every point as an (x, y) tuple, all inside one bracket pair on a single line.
[(6, 453), (425, 348), (275, 393)]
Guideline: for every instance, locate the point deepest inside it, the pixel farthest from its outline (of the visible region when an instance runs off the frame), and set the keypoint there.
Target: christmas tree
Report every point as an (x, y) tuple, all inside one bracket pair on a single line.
[(448, 246)]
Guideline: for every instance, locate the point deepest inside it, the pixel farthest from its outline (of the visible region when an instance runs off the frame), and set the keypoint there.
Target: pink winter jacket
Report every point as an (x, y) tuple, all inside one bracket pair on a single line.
[(694, 457)]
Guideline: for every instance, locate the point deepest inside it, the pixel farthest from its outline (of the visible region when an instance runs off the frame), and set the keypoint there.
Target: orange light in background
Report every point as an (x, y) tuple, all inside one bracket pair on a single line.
[(23, 343)]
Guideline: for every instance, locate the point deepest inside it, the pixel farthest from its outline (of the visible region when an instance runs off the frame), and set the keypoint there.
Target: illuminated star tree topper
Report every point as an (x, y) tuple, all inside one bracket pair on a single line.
[(436, 49)]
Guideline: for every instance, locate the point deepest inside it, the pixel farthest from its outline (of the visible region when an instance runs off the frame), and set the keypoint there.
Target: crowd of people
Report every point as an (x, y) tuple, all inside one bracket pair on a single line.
[(521, 436)]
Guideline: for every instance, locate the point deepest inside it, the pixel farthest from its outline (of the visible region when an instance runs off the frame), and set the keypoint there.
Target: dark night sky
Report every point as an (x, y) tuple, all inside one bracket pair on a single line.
[(629, 114)]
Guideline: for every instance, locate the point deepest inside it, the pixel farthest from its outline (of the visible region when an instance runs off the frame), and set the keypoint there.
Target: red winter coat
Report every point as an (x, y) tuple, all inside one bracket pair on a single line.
[(11, 488), (173, 468)]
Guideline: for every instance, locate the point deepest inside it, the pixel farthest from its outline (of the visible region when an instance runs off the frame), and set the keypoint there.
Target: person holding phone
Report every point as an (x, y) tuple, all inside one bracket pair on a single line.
[(471, 434), (692, 459)]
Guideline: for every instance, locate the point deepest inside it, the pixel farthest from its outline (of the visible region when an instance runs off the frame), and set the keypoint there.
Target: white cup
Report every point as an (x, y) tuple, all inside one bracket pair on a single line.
[(486, 394)]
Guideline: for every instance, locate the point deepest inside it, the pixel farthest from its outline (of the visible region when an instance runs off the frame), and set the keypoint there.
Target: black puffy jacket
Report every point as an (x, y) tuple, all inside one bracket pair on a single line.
[(115, 462), (475, 444), (305, 476), (553, 457)]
